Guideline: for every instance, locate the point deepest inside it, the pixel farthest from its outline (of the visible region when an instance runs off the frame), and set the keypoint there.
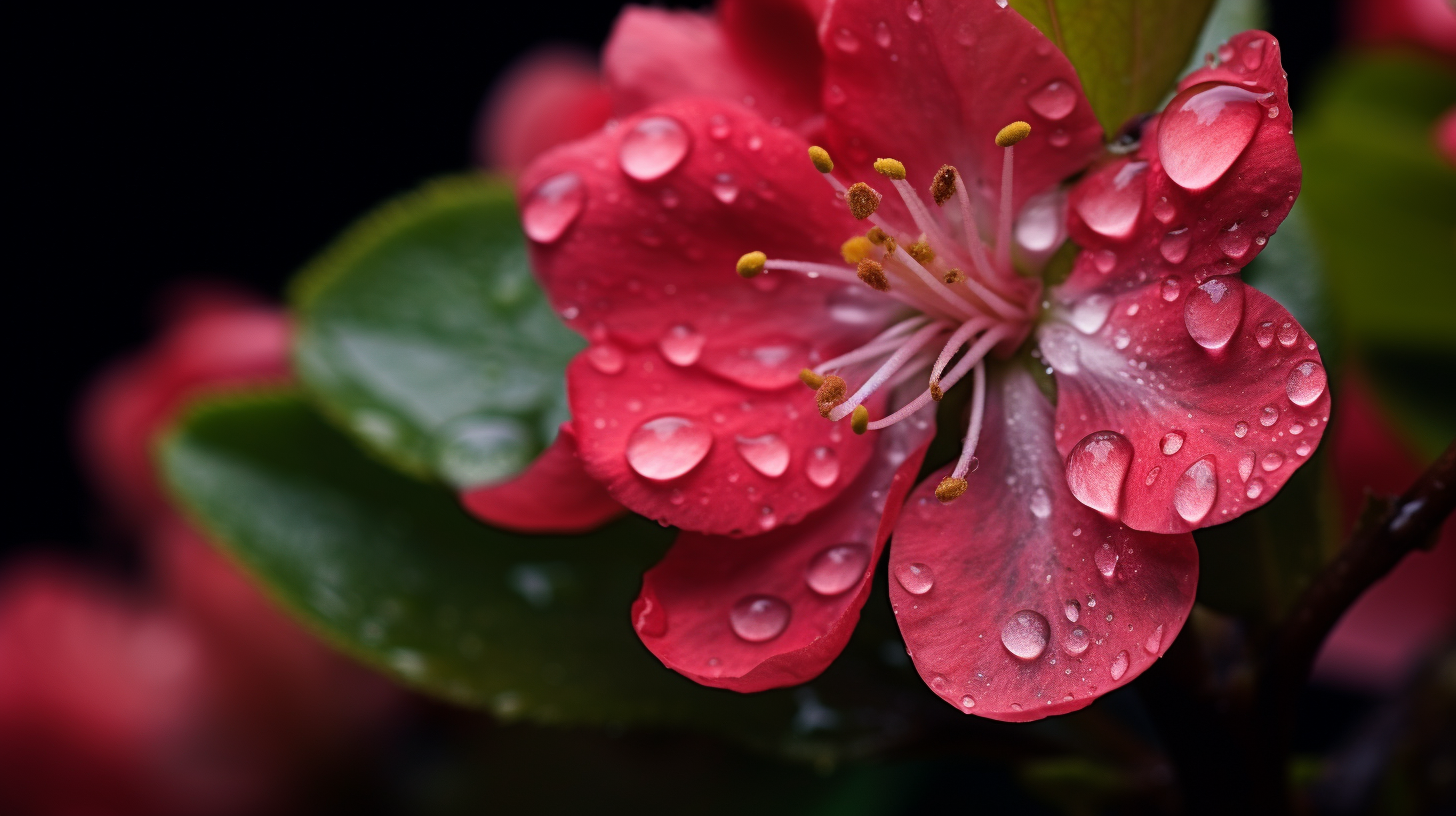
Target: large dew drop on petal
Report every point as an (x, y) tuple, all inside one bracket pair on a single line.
[(838, 569), (1213, 310), (552, 206), (1203, 131), (1113, 199), (1055, 100), (759, 618), (1096, 468), (1025, 634), (667, 447), (653, 148)]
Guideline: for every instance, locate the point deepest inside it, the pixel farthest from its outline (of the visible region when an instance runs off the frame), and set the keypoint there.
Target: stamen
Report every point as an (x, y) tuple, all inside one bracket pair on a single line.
[(1012, 133), (1007, 138), (890, 169), (951, 378), (877, 236), (951, 488), (751, 264), (810, 378), (973, 235), (921, 251), (898, 359), (943, 186), (957, 339), (873, 274), (813, 270), (820, 157), (859, 419), (856, 249), (863, 200), (954, 276), (919, 213), (877, 346), (978, 414), (959, 306), (830, 394)]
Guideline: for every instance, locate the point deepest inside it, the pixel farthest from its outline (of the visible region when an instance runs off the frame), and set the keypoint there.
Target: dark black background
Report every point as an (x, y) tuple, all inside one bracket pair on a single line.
[(147, 147)]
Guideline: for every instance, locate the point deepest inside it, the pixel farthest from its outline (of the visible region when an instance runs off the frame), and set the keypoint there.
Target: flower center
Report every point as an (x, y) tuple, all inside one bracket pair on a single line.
[(965, 297)]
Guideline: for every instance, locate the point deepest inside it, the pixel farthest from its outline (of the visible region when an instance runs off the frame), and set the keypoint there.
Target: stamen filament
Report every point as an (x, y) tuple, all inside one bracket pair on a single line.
[(898, 359), (978, 413), (959, 305), (920, 214), (973, 235), (876, 347), (957, 339), (1003, 226), (839, 273), (987, 341)]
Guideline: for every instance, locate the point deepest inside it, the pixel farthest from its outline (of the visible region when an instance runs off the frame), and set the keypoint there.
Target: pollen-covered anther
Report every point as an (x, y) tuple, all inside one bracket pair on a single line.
[(859, 419), (873, 274), (751, 264), (856, 249), (935, 391), (943, 186), (811, 379), (953, 276), (951, 488), (877, 236), (863, 200), (820, 157), (831, 394), (890, 169), (1012, 133), (921, 251)]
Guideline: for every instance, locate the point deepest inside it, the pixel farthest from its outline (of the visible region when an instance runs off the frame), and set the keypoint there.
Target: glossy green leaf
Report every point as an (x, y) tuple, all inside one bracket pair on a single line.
[(392, 571), (1229, 17), (422, 332), (1128, 53)]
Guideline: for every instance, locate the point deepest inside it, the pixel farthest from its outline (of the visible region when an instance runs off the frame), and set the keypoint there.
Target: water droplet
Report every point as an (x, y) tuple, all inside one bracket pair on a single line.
[(1025, 634), (766, 518), (653, 148), (724, 189), (835, 96), (1196, 489), (1171, 289), (755, 144), (1163, 211), (552, 206), (667, 447), (606, 358), (1154, 641), (718, 127), (1105, 559), (1253, 55), (681, 345), (767, 454), (1112, 199), (650, 620), (1119, 666), (1055, 100), (1090, 313), (822, 467), (1077, 641), (759, 618), (1204, 130), (1264, 334), (1268, 416), (1152, 475), (1060, 138), (1073, 610), (1241, 429), (882, 35), (968, 702), (914, 11), (917, 579), (1172, 443), (1271, 461), (1213, 310), (1254, 488), (1122, 339), (1096, 469), (845, 41), (1039, 226), (1104, 260), (1234, 242), (1041, 504), (1306, 383), (1246, 466), (1296, 429), (837, 569), (1003, 3), (1303, 449), (1175, 245)]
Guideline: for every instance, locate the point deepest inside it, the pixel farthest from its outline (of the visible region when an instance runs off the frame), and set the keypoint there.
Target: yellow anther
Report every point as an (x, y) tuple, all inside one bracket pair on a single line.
[(890, 245), (890, 169), (856, 249), (921, 251), (935, 392), (821, 159), (943, 186), (809, 378), (877, 236), (951, 488), (1012, 133), (832, 392), (859, 419), (873, 274), (954, 276), (862, 199), (751, 264)]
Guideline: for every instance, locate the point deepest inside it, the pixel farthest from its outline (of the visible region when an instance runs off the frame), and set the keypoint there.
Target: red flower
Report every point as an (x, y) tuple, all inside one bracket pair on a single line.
[(1061, 566)]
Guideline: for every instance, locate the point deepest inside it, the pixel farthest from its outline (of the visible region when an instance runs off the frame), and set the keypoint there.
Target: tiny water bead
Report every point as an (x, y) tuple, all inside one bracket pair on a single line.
[(1119, 666), (653, 147), (1152, 475), (1254, 488), (822, 467), (915, 11), (724, 188), (838, 569), (1306, 383), (1246, 466), (1174, 246), (1203, 131), (1171, 289), (552, 207), (759, 618), (1272, 461), (1112, 200), (1077, 641), (667, 447), (1241, 429), (1172, 443), (1288, 334), (606, 358), (1196, 490), (1041, 504), (1096, 469), (1025, 634), (681, 345), (1213, 311), (1072, 610), (768, 454), (1268, 416), (1264, 334), (1154, 641), (1106, 560), (882, 35), (917, 579), (845, 41), (1054, 101), (968, 702)]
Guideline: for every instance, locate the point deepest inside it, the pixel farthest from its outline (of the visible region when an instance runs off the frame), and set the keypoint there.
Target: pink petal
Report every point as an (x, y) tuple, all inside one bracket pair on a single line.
[(774, 610), (1430, 24), (934, 87), (759, 53), (1210, 182), (1015, 600), (553, 495), (687, 448), (549, 97), (1213, 395)]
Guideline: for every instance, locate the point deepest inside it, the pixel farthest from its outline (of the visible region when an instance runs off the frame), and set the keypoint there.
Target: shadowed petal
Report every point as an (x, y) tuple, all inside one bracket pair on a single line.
[(554, 495)]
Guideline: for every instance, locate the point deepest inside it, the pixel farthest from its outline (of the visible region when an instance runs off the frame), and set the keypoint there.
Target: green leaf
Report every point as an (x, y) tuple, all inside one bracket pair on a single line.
[(1127, 52), (1292, 270), (393, 572), (1229, 17), (422, 332)]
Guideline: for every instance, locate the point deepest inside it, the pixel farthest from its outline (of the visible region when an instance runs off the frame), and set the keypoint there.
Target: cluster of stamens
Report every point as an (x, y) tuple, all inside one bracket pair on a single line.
[(963, 297)]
